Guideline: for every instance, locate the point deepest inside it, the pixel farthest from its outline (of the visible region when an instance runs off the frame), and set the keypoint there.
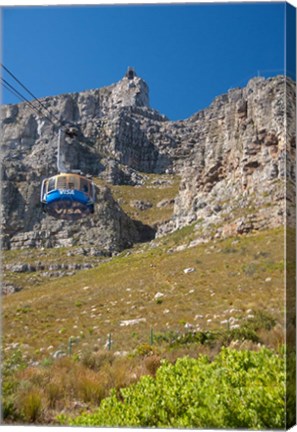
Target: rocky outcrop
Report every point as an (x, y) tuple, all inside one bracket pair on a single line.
[(101, 140), (26, 226), (234, 159), (244, 156)]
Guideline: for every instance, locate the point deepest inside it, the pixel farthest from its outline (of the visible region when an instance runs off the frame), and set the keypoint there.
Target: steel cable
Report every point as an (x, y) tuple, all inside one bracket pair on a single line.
[(28, 91)]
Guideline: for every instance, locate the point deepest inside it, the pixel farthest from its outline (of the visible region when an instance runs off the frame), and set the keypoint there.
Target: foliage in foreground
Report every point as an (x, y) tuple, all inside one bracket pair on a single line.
[(36, 394), (239, 389)]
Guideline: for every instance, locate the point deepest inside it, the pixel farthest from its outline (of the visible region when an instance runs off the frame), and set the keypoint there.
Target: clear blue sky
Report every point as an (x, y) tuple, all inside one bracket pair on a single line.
[(187, 54)]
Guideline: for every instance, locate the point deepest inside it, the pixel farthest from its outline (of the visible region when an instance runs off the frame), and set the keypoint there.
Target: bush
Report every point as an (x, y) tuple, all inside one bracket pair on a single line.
[(90, 389), (31, 406), (239, 389), (152, 363), (175, 339), (10, 367), (8, 408), (144, 350), (54, 393), (262, 320), (249, 329), (96, 360)]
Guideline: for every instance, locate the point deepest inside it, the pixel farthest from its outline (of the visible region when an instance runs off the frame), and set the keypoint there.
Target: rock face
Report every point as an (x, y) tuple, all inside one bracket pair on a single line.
[(242, 161), (234, 159), (26, 226)]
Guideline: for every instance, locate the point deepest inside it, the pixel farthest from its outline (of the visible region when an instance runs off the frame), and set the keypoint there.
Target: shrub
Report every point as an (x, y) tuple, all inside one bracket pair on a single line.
[(90, 389), (96, 360), (262, 320), (152, 363), (54, 393), (178, 338), (30, 405), (239, 389), (243, 333), (251, 328), (123, 372), (8, 407), (144, 350), (10, 367)]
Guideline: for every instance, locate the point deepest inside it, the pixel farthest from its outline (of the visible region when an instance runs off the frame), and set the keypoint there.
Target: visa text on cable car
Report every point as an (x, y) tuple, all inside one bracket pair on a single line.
[(68, 196)]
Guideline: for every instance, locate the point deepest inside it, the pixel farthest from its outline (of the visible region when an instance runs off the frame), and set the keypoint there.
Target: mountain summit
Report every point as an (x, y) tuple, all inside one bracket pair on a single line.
[(130, 91)]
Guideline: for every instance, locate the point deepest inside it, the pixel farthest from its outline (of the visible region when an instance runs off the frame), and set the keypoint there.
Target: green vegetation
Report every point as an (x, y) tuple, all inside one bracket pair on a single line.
[(247, 331), (78, 342), (239, 389), (154, 189), (37, 393), (94, 303)]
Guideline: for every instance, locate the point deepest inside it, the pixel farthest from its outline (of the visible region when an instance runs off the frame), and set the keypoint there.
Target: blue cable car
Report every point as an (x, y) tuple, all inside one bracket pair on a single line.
[(69, 196)]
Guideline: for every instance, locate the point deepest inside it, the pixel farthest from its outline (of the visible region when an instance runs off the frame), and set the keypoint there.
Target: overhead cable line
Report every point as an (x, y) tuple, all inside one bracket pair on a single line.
[(20, 96), (52, 118), (10, 90), (28, 91)]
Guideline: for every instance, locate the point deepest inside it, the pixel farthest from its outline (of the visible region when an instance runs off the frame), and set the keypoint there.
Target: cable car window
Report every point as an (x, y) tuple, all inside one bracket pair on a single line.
[(61, 184), (43, 189), (72, 183), (51, 184), (84, 185)]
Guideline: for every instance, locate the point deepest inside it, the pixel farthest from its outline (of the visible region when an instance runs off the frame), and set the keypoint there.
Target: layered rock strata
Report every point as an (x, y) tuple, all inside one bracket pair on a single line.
[(235, 159), (244, 160)]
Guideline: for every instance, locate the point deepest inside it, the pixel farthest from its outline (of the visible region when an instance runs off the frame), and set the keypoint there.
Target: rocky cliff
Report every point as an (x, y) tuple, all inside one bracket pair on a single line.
[(241, 174), (236, 161)]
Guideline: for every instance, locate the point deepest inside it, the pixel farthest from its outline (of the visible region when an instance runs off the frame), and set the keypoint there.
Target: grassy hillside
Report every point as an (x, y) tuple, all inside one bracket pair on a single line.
[(231, 279), (155, 189), (69, 338)]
